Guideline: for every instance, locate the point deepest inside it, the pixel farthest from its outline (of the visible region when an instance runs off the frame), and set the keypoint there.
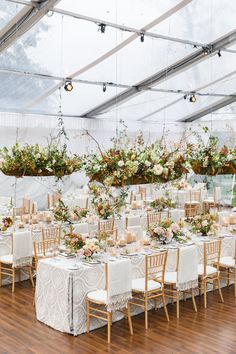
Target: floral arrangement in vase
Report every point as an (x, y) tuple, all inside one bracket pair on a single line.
[(206, 158), (61, 212), (182, 184), (204, 224), (90, 247), (167, 230), (105, 203), (162, 203), (33, 160), (6, 223), (127, 163), (80, 213), (74, 242)]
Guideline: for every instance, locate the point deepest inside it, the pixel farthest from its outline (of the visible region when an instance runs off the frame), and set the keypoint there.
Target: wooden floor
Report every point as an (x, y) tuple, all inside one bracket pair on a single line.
[(209, 331)]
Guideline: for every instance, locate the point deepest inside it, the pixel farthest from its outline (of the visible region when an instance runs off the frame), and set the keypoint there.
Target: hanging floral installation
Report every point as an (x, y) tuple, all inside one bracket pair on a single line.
[(208, 159), (127, 163), (33, 160)]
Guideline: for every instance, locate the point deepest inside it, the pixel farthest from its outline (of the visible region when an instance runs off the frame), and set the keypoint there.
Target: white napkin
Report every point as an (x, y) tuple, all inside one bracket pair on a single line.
[(188, 268), (81, 228), (119, 283), (22, 248), (133, 220)]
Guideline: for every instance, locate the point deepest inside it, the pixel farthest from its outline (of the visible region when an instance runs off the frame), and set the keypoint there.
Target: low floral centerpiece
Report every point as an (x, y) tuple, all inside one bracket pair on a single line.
[(204, 224), (162, 203), (33, 160), (73, 241), (6, 223), (206, 158), (167, 230), (127, 163), (90, 247)]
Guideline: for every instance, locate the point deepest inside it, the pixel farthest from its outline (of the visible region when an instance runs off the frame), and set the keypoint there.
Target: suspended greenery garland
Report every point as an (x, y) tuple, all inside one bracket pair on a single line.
[(208, 159), (127, 163), (33, 160)]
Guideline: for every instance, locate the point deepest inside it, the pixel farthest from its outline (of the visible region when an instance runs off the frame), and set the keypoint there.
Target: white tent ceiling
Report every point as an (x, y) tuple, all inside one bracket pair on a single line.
[(44, 50)]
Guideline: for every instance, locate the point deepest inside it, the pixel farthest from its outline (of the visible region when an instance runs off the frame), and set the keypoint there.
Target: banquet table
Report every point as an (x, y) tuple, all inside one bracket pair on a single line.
[(61, 291)]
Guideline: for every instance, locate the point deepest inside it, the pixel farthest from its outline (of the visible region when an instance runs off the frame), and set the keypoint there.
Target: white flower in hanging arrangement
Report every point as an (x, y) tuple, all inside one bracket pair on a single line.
[(158, 169)]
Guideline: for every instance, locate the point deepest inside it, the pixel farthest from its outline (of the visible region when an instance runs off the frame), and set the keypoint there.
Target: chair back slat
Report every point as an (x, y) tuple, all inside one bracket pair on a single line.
[(155, 267)]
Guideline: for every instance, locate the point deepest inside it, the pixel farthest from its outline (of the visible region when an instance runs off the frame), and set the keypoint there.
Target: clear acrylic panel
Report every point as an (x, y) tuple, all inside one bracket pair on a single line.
[(8, 10)]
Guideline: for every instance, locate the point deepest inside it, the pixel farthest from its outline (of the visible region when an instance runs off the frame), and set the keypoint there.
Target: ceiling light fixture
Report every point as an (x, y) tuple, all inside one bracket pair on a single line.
[(68, 86), (219, 53), (104, 88), (102, 27), (142, 37), (192, 98)]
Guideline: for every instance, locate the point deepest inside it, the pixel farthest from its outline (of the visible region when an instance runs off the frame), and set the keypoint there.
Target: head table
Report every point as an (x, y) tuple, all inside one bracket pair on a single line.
[(62, 285)]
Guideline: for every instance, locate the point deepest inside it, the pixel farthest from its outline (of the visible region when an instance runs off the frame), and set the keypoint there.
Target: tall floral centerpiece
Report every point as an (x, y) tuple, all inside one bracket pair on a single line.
[(205, 224), (206, 158), (105, 203), (162, 203)]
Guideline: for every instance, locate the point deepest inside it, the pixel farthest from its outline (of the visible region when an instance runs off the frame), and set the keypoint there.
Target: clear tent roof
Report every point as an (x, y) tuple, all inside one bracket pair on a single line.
[(65, 43)]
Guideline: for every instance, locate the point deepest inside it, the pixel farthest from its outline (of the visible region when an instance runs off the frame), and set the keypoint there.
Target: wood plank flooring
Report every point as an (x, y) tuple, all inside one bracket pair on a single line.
[(211, 331)]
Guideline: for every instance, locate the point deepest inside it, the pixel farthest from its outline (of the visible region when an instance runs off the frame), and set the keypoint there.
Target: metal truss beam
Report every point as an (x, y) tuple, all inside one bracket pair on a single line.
[(23, 21), (108, 84), (209, 109), (142, 119)]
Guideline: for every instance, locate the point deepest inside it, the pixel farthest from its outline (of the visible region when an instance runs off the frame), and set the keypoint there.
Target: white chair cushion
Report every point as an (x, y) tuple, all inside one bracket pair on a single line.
[(209, 269), (227, 262), (139, 285), (6, 259), (98, 295), (171, 277)]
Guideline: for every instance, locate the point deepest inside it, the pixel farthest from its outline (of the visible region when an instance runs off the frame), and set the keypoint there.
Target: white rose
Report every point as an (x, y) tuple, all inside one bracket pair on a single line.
[(121, 163), (158, 169), (147, 163)]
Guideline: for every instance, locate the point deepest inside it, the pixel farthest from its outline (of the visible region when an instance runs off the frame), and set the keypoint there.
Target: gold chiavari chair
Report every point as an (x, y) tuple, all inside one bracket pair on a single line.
[(50, 233), (193, 206), (96, 300), (151, 287), (27, 205), (7, 268), (18, 212), (228, 268), (171, 290), (212, 203), (153, 218), (45, 249), (106, 227), (209, 271), (143, 192)]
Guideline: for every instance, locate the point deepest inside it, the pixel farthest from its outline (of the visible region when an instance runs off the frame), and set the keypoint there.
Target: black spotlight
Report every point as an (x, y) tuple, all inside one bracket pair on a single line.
[(102, 27), (142, 37), (219, 54), (192, 98), (185, 97), (104, 87), (68, 86), (206, 50)]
